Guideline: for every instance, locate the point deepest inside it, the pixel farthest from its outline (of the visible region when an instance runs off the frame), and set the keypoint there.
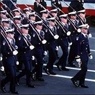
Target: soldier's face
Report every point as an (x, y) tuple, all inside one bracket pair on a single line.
[(84, 30), (45, 15), (64, 20), (3, 15), (52, 23), (54, 14), (17, 13), (39, 27), (18, 21), (33, 18), (82, 15), (6, 24), (10, 35), (73, 17), (25, 30)]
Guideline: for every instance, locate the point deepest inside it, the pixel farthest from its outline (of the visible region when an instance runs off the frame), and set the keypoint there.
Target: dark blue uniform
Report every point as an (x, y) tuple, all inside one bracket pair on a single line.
[(73, 36), (25, 55), (9, 62), (63, 42), (51, 47), (38, 53), (83, 51)]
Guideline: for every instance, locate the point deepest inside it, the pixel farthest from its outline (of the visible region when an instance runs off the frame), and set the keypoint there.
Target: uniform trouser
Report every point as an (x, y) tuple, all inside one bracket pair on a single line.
[(72, 55), (10, 71), (72, 52), (82, 73), (26, 71), (52, 55), (64, 47), (38, 53)]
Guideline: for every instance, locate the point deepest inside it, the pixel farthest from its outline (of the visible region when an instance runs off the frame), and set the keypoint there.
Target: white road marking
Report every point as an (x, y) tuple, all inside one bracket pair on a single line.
[(72, 68), (69, 77), (93, 50)]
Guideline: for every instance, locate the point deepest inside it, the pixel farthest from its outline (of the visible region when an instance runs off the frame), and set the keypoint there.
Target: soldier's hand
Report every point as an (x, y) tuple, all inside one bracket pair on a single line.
[(90, 57), (17, 62), (78, 60), (89, 35), (15, 52), (45, 52)]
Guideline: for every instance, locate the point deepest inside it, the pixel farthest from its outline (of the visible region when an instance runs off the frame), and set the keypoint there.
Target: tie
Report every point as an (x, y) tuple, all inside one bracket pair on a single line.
[(42, 34), (28, 37), (13, 42)]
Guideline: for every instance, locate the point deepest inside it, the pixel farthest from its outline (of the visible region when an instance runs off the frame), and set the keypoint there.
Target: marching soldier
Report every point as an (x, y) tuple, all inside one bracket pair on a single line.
[(25, 52), (82, 19), (44, 15), (9, 53), (82, 57), (73, 25), (38, 40), (63, 42), (52, 44)]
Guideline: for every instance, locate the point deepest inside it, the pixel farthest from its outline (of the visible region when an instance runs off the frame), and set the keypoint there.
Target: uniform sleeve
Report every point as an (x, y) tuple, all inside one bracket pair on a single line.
[(5, 49)]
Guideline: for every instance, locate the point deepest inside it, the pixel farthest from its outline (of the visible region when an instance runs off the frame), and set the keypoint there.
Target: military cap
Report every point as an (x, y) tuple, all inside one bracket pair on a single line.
[(24, 26), (17, 17), (16, 10), (53, 10), (32, 14), (72, 13), (10, 31), (81, 11), (84, 26), (44, 11), (63, 16), (38, 22), (27, 9), (3, 12), (7, 20), (51, 19)]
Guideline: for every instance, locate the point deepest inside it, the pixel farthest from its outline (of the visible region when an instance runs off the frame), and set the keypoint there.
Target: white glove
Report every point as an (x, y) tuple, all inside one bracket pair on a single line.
[(78, 60), (33, 57), (1, 58), (31, 47), (89, 35), (90, 57), (70, 43), (15, 52), (57, 48), (56, 36), (44, 42), (2, 68), (17, 62), (45, 52)]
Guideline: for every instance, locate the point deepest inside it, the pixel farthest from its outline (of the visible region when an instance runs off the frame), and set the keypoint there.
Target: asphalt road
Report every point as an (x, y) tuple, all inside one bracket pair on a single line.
[(61, 84)]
